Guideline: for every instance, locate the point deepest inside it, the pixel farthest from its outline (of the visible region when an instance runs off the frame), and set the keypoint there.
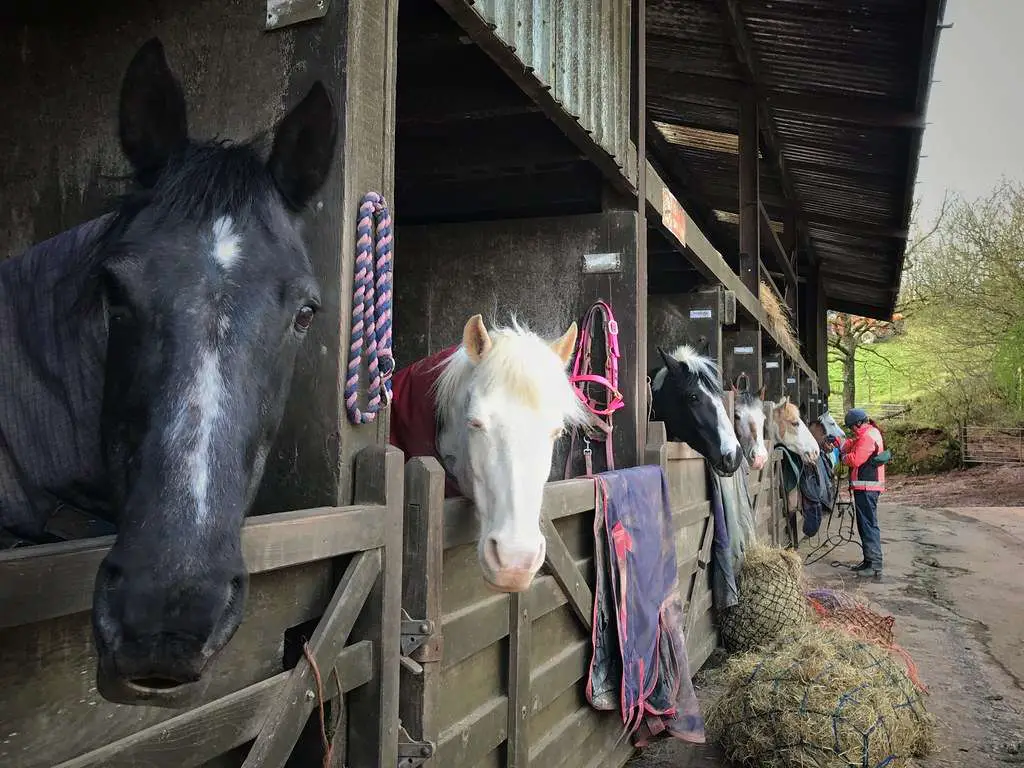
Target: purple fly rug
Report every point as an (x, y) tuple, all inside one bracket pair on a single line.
[(639, 662)]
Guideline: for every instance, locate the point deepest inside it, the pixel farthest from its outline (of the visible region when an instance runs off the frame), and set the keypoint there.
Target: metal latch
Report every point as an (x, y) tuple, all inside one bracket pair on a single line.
[(412, 753), (415, 634)]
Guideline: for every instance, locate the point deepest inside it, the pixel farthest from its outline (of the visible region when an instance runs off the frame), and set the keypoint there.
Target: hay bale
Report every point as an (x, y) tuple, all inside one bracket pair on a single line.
[(771, 599), (819, 697)]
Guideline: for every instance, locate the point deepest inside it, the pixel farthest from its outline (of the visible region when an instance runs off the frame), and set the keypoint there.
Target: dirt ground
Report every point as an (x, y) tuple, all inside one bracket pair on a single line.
[(954, 580)]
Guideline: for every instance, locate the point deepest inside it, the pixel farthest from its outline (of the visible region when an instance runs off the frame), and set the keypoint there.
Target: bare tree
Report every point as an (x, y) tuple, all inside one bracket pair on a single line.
[(847, 334)]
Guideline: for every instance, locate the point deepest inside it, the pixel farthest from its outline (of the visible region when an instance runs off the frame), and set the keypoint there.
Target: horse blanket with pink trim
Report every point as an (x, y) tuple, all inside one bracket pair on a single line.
[(639, 663), (414, 410)]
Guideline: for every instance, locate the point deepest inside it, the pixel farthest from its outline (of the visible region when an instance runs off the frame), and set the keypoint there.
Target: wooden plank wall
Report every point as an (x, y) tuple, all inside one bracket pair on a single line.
[(47, 659), (444, 273), (503, 679)]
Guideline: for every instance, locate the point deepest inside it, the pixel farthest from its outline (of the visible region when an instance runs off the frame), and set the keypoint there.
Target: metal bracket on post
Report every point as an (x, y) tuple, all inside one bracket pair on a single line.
[(412, 753), (415, 634)]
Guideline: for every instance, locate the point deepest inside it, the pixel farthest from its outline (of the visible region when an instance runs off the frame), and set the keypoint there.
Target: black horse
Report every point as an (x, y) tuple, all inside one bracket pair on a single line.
[(688, 397), (147, 356)]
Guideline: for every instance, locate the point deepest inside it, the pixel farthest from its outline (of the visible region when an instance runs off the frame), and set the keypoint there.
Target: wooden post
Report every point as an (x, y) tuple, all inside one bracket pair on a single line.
[(373, 709), (367, 156), (423, 555), (742, 346), (750, 244), (638, 100)]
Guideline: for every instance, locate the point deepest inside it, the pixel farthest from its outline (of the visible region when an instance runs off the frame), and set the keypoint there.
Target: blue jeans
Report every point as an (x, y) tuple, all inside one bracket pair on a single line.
[(866, 504)]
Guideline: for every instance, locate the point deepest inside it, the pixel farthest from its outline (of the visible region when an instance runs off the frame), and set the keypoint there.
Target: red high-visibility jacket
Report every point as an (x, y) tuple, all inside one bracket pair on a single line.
[(865, 443)]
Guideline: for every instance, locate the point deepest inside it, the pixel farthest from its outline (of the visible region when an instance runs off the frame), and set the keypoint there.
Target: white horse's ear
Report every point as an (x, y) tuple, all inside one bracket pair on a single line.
[(564, 346), (475, 339)]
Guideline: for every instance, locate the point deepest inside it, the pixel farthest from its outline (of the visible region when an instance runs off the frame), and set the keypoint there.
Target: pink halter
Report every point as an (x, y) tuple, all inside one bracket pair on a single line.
[(582, 376)]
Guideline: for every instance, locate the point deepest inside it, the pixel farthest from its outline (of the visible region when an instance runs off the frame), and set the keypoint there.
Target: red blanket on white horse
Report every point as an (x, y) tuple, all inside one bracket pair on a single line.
[(414, 410)]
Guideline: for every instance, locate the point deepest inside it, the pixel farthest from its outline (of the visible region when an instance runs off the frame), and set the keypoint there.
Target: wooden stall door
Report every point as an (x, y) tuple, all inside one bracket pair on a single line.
[(513, 666), (47, 664)]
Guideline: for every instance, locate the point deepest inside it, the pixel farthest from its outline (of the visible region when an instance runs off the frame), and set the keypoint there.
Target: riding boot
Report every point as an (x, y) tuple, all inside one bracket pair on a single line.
[(864, 565)]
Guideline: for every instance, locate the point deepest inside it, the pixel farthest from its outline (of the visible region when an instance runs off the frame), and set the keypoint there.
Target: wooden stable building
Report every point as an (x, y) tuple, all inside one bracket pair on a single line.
[(538, 156)]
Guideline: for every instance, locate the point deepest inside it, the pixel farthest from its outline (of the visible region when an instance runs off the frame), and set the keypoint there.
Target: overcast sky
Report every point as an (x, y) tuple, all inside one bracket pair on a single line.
[(976, 109)]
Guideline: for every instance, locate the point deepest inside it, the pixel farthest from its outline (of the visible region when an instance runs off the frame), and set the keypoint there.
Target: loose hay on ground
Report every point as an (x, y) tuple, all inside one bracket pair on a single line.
[(771, 599), (819, 697)]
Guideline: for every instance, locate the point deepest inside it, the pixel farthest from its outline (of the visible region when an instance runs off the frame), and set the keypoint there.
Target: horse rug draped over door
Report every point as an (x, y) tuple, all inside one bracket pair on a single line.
[(733, 512), (815, 484), (639, 659), (414, 410)]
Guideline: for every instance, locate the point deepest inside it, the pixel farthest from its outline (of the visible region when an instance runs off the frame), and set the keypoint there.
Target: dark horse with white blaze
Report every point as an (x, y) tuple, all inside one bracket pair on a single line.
[(687, 396), (147, 356)]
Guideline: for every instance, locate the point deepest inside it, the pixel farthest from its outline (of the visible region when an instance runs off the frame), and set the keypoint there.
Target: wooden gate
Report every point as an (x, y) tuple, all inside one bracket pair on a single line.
[(53, 716), (514, 666)]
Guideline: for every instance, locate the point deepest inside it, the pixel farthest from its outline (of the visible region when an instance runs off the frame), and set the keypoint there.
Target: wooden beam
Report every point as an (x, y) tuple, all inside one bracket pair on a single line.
[(743, 47), (208, 731), (749, 203), (285, 721), (52, 580), (560, 563), (777, 249), (639, 100), (705, 258), (854, 226), (853, 109)]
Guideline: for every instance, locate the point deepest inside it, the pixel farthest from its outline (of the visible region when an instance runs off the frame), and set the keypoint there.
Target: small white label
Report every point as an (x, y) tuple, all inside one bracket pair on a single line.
[(599, 263), (772, 364), (790, 380), (743, 350), (700, 314)]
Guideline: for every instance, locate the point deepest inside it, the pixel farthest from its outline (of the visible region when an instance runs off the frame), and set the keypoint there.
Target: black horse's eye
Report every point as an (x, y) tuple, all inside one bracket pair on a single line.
[(692, 397), (304, 318)]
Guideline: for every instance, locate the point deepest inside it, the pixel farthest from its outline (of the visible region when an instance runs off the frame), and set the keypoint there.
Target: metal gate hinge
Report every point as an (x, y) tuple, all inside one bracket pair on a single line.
[(412, 753)]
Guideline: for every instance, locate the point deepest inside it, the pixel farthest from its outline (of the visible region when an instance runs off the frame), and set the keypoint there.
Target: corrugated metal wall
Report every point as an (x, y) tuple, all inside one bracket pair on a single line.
[(581, 50)]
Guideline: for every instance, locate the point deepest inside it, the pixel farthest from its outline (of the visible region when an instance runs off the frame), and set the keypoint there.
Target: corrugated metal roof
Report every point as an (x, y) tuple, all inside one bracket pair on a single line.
[(845, 86), (581, 49)]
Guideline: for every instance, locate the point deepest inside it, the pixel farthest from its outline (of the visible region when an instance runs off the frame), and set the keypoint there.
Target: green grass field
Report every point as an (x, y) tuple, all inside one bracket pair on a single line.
[(901, 377)]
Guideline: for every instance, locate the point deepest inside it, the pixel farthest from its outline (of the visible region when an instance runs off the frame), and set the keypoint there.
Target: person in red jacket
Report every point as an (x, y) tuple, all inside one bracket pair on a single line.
[(867, 480)]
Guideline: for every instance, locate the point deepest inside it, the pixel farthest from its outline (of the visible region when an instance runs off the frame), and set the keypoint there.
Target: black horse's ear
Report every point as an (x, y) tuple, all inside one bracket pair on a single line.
[(670, 362), (304, 147), (152, 121)]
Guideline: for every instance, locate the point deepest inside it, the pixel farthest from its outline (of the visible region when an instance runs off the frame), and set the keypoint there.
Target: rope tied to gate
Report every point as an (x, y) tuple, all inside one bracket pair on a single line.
[(325, 740), (371, 310)]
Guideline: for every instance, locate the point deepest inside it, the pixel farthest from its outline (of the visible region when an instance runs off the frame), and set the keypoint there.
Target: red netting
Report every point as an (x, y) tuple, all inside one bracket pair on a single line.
[(844, 611)]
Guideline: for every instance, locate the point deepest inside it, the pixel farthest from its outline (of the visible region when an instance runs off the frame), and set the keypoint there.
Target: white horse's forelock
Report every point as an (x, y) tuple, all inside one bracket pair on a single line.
[(519, 363)]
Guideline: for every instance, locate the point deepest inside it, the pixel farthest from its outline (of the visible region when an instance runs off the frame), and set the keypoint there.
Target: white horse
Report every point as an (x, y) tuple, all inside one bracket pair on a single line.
[(501, 400)]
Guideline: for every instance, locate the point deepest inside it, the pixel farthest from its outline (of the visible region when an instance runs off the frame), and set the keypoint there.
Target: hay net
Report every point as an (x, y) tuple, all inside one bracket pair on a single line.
[(841, 610), (820, 697), (771, 599)]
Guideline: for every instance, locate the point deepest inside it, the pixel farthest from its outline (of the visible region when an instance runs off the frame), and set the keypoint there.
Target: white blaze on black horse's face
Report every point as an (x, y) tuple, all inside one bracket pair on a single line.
[(208, 293), (689, 399)]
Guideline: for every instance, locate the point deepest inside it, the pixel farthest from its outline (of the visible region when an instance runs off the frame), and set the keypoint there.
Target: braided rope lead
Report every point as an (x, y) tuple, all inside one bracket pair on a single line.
[(371, 310)]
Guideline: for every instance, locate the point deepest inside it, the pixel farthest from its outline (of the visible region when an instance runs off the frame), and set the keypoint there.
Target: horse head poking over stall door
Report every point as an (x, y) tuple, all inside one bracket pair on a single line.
[(688, 398), (499, 401), (148, 355)]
